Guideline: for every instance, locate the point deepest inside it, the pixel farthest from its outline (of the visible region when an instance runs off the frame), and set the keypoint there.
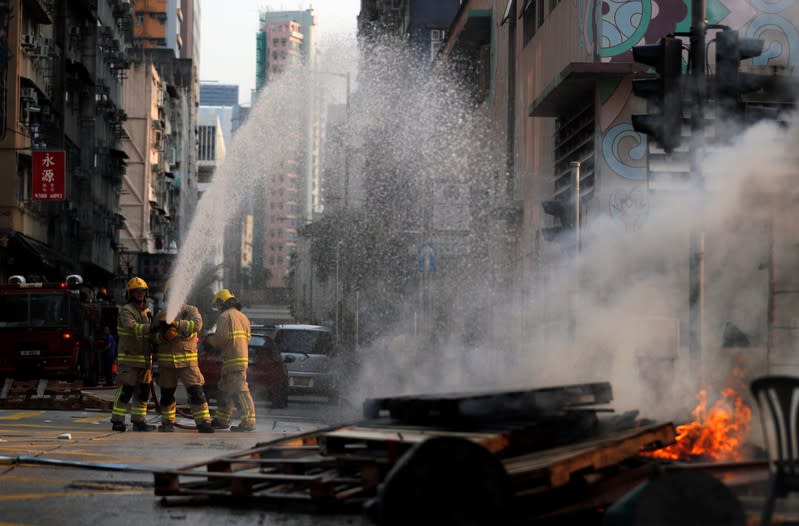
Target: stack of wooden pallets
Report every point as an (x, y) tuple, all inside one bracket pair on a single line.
[(548, 441), (48, 394)]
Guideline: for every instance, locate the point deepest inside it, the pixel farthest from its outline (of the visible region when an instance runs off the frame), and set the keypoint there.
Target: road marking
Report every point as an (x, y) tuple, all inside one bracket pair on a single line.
[(20, 415), (94, 419), (85, 454), (32, 496)]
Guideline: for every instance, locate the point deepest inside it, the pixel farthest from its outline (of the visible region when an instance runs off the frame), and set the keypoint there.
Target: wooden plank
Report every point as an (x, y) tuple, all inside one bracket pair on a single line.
[(394, 442), (487, 406), (555, 466)]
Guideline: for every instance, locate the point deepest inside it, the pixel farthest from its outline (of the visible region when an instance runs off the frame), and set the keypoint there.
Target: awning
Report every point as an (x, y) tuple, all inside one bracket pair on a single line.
[(39, 252), (576, 82), (113, 152)]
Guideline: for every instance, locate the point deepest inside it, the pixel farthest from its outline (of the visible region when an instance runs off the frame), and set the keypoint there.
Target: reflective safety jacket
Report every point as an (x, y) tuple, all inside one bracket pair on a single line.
[(232, 337), (182, 350), (133, 329)]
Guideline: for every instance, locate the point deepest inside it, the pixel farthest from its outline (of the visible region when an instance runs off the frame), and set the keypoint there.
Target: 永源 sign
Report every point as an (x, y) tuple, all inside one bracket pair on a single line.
[(48, 174)]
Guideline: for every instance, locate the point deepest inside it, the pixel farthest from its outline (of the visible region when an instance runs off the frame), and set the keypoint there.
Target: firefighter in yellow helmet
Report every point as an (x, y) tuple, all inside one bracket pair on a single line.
[(135, 375), (177, 360), (232, 338)]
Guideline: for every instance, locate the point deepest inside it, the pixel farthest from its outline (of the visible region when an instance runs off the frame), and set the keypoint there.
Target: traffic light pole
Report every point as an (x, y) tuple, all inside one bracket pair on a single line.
[(575, 168), (696, 293)]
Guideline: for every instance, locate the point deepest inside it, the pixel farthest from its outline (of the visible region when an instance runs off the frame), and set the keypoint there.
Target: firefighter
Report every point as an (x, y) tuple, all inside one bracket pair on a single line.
[(134, 358), (232, 337), (177, 360)]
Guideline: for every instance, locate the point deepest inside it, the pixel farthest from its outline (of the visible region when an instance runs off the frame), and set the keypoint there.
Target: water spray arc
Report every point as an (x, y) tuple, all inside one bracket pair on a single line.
[(258, 151)]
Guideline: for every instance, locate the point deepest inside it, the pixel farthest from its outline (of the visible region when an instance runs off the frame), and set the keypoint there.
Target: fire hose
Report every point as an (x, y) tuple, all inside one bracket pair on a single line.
[(179, 411)]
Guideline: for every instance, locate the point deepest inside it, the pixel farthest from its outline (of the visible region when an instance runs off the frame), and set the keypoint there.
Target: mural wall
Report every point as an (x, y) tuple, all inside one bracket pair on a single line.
[(622, 24)]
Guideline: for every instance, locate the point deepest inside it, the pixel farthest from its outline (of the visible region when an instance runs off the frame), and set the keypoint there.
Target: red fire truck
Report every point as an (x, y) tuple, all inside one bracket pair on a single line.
[(47, 330)]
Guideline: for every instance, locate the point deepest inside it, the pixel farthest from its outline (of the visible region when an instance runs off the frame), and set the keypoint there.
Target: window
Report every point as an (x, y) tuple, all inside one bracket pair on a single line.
[(553, 4), (528, 17), (540, 12), (436, 40), (574, 141)]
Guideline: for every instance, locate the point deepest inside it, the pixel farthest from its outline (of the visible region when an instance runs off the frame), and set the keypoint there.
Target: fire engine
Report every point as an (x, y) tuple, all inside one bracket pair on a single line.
[(48, 330)]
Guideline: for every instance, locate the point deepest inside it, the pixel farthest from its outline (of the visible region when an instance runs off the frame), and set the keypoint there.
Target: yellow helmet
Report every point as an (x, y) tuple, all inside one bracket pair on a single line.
[(221, 297), (136, 284)]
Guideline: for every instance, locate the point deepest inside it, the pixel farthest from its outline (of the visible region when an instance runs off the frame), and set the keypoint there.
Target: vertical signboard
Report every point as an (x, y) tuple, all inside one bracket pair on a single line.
[(48, 175)]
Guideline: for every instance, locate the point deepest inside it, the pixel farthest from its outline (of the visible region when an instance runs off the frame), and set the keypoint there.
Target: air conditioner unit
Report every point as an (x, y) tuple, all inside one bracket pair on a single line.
[(28, 94), (28, 41)]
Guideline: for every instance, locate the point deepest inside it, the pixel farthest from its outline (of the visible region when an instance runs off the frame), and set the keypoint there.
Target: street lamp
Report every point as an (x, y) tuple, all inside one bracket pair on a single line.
[(338, 290)]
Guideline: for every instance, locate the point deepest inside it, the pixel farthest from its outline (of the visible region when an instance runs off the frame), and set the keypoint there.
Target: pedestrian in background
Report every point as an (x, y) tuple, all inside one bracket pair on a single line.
[(109, 355), (232, 338)]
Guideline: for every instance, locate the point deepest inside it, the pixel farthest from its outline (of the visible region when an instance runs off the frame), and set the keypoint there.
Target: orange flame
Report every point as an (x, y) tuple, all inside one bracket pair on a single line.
[(717, 433)]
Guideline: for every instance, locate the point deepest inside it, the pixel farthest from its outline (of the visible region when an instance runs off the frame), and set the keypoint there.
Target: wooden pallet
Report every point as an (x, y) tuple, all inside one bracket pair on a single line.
[(482, 407), (48, 394), (553, 468), (341, 467)]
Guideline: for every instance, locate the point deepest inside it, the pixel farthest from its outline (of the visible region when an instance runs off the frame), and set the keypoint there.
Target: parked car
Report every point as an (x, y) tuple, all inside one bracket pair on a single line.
[(313, 368), (267, 374)]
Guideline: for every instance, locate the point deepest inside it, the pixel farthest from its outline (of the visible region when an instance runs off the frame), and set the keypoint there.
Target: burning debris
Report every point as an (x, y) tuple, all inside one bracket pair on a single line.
[(717, 433)]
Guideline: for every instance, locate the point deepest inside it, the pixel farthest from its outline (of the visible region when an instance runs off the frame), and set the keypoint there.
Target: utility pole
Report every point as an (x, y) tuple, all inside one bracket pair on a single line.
[(575, 168), (347, 149), (696, 292)]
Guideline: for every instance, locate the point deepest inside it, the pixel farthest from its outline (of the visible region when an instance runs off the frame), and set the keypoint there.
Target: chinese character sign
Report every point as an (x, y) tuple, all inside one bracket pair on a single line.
[(48, 175)]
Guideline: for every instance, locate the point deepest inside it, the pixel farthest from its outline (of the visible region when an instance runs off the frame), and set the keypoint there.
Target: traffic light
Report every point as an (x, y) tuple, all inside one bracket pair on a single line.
[(564, 214), (664, 125), (730, 82)]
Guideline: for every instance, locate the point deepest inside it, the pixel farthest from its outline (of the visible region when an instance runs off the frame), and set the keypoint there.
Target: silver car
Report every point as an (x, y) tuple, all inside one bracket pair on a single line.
[(313, 352)]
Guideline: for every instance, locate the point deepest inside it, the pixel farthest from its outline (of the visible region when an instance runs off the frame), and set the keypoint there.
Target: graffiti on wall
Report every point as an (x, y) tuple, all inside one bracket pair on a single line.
[(622, 24)]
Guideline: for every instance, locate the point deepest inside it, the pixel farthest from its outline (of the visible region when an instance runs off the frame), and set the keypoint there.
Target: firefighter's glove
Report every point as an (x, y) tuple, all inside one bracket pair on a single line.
[(170, 332)]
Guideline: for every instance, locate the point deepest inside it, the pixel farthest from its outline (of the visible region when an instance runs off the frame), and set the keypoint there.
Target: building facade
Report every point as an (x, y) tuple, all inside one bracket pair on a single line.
[(161, 190), (288, 39), (62, 87), (556, 78)]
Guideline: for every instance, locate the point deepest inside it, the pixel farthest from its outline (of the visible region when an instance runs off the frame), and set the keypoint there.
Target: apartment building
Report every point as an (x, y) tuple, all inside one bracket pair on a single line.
[(287, 37), (161, 189), (61, 84)]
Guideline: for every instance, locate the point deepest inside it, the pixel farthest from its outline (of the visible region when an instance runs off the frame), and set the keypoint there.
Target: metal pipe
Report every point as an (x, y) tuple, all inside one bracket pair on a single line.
[(575, 168), (696, 293), (338, 295)]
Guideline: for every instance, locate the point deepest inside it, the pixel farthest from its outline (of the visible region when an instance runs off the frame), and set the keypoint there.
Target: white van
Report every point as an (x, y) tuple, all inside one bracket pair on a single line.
[(314, 355)]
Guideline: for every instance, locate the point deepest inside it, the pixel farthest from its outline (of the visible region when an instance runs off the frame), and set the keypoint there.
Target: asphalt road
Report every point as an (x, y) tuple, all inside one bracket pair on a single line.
[(40, 493)]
